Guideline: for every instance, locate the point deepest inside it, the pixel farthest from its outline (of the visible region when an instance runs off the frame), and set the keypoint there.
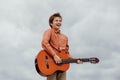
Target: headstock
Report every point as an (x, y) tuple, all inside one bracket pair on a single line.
[(94, 60)]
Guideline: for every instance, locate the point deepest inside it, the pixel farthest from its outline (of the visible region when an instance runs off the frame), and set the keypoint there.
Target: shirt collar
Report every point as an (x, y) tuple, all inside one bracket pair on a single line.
[(56, 31)]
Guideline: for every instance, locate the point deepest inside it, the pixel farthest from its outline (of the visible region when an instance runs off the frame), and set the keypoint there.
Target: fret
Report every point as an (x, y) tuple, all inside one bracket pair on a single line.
[(66, 61)]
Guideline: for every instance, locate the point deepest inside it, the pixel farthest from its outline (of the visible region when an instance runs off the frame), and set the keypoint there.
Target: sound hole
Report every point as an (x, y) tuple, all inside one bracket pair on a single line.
[(47, 64)]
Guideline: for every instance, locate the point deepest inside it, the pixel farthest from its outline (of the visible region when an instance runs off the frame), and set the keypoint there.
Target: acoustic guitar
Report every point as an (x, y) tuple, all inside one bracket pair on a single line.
[(45, 65)]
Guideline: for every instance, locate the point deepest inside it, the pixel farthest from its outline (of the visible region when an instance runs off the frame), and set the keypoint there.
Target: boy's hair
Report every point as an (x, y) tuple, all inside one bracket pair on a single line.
[(52, 18)]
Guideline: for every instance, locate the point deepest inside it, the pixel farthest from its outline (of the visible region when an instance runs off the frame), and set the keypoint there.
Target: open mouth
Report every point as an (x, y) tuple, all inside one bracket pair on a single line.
[(58, 25)]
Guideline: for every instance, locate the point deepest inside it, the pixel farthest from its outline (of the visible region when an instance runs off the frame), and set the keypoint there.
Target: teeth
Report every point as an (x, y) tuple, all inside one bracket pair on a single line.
[(58, 24)]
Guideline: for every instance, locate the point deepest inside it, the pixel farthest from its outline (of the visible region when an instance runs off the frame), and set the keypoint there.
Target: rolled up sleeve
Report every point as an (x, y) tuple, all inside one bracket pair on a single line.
[(45, 43)]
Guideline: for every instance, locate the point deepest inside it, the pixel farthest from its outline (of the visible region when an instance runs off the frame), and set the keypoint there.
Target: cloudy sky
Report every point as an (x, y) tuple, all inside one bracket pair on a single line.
[(92, 26)]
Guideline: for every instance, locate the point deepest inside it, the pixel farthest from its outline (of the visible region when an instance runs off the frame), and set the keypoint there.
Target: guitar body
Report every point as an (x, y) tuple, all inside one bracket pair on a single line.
[(45, 64)]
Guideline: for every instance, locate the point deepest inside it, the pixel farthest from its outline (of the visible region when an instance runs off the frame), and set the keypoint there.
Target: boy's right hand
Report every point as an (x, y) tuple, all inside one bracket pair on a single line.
[(57, 59)]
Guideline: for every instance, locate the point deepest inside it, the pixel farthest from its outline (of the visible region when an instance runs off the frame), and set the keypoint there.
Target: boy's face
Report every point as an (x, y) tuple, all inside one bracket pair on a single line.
[(57, 22)]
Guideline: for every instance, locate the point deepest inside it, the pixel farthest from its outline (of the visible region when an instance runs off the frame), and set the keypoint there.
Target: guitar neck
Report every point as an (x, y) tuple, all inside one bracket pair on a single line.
[(66, 61)]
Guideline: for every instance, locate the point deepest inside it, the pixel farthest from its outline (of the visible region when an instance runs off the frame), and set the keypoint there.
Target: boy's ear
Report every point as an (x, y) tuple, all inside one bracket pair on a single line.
[(51, 24)]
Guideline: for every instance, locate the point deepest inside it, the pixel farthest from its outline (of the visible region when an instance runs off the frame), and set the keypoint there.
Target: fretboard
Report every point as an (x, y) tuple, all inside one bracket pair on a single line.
[(66, 61)]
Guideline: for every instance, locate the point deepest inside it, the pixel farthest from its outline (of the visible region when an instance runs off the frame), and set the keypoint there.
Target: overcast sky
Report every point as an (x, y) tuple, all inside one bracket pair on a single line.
[(92, 26)]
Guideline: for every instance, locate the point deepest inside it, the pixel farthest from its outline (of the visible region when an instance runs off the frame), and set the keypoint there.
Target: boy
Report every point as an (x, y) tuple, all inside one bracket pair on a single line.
[(55, 42)]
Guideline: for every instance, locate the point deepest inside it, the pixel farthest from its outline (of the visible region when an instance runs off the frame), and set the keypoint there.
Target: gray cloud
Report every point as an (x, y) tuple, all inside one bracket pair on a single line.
[(92, 28)]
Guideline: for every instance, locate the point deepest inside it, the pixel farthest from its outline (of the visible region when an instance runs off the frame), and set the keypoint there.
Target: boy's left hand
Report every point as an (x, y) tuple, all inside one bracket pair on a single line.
[(79, 62)]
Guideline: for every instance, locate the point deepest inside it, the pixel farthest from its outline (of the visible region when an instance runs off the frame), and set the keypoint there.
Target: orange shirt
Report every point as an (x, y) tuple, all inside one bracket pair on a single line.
[(54, 42)]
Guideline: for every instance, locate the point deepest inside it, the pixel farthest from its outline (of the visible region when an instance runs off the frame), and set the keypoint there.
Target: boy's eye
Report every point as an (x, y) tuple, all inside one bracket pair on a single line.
[(60, 20)]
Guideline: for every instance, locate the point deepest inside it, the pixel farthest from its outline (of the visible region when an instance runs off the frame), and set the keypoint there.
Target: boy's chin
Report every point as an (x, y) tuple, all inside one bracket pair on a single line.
[(57, 27)]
